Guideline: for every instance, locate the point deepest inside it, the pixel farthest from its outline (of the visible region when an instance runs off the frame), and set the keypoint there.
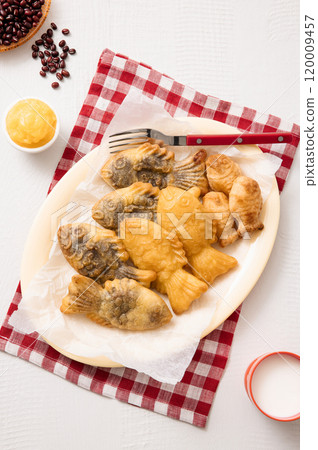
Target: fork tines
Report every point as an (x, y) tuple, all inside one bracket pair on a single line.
[(129, 138)]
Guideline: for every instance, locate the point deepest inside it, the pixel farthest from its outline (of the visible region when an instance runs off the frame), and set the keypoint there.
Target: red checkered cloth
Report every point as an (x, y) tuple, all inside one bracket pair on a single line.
[(189, 400)]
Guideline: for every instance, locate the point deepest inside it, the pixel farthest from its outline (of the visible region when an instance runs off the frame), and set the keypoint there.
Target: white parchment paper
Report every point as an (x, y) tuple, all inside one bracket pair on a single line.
[(164, 354)]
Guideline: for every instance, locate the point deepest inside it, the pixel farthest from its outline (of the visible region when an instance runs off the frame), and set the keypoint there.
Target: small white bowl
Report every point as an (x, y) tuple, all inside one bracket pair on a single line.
[(35, 149)]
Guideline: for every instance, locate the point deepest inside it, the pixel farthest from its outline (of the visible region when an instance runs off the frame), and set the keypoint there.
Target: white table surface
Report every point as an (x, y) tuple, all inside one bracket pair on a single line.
[(239, 50)]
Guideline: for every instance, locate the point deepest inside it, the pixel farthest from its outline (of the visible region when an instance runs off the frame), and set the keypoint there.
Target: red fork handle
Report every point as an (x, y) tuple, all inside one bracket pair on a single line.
[(240, 139)]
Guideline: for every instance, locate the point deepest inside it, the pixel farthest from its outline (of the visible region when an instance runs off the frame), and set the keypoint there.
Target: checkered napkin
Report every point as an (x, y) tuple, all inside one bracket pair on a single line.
[(189, 400)]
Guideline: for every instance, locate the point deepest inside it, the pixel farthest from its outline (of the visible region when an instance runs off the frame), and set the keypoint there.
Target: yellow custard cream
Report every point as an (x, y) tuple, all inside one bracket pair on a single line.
[(31, 123)]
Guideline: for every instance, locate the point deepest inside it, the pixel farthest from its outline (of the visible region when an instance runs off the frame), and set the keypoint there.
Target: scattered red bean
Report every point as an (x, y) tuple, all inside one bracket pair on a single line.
[(51, 59)]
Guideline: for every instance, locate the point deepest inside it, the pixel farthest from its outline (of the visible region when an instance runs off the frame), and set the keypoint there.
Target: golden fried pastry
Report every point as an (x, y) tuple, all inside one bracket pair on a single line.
[(221, 172), (149, 248), (121, 303), (150, 163), (98, 254), (218, 203), (139, 198), (182, 213), (246, 203)]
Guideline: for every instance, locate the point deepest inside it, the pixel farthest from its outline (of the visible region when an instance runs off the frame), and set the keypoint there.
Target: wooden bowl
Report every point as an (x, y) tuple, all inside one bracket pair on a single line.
[(32, 32)]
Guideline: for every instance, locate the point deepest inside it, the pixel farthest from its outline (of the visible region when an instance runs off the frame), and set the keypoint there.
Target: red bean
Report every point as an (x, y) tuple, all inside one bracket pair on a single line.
[(72, 51), (62, 43), (59, 76), (65, 73), (53, 26), (42, 73), (65, 31), (55, 85)]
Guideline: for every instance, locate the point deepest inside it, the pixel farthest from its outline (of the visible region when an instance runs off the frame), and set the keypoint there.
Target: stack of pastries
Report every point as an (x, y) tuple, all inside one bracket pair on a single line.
[(158, 225)]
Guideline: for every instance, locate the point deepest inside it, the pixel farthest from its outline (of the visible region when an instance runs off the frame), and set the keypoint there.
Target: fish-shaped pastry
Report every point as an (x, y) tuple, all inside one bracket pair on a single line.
[(150, 163), (137, 199), (221, 172), (149, 248), (182, 213), (218, 203), (169, 206), (98, 254), (121, 303), (245, 201)]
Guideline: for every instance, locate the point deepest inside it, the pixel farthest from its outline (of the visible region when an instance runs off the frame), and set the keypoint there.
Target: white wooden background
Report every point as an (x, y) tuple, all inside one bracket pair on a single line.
[(240, 50)]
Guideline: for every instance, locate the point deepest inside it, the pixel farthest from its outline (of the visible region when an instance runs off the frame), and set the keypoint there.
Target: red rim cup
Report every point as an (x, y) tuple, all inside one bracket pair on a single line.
[(248, 384)]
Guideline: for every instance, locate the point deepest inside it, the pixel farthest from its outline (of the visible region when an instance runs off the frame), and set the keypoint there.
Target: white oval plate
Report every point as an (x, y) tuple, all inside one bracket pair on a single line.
[(39, 241)]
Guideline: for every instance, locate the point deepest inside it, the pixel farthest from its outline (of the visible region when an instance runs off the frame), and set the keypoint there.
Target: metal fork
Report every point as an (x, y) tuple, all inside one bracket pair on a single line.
[(139, 136)]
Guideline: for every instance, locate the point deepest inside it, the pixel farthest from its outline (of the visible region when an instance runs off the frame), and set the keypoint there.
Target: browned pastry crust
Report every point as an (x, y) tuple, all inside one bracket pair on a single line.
[(149, 247), (218, 203), (205, 262), (137, 199), (150, 163), (246, 203), (221, 172), (98, 254), (123, 304)]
